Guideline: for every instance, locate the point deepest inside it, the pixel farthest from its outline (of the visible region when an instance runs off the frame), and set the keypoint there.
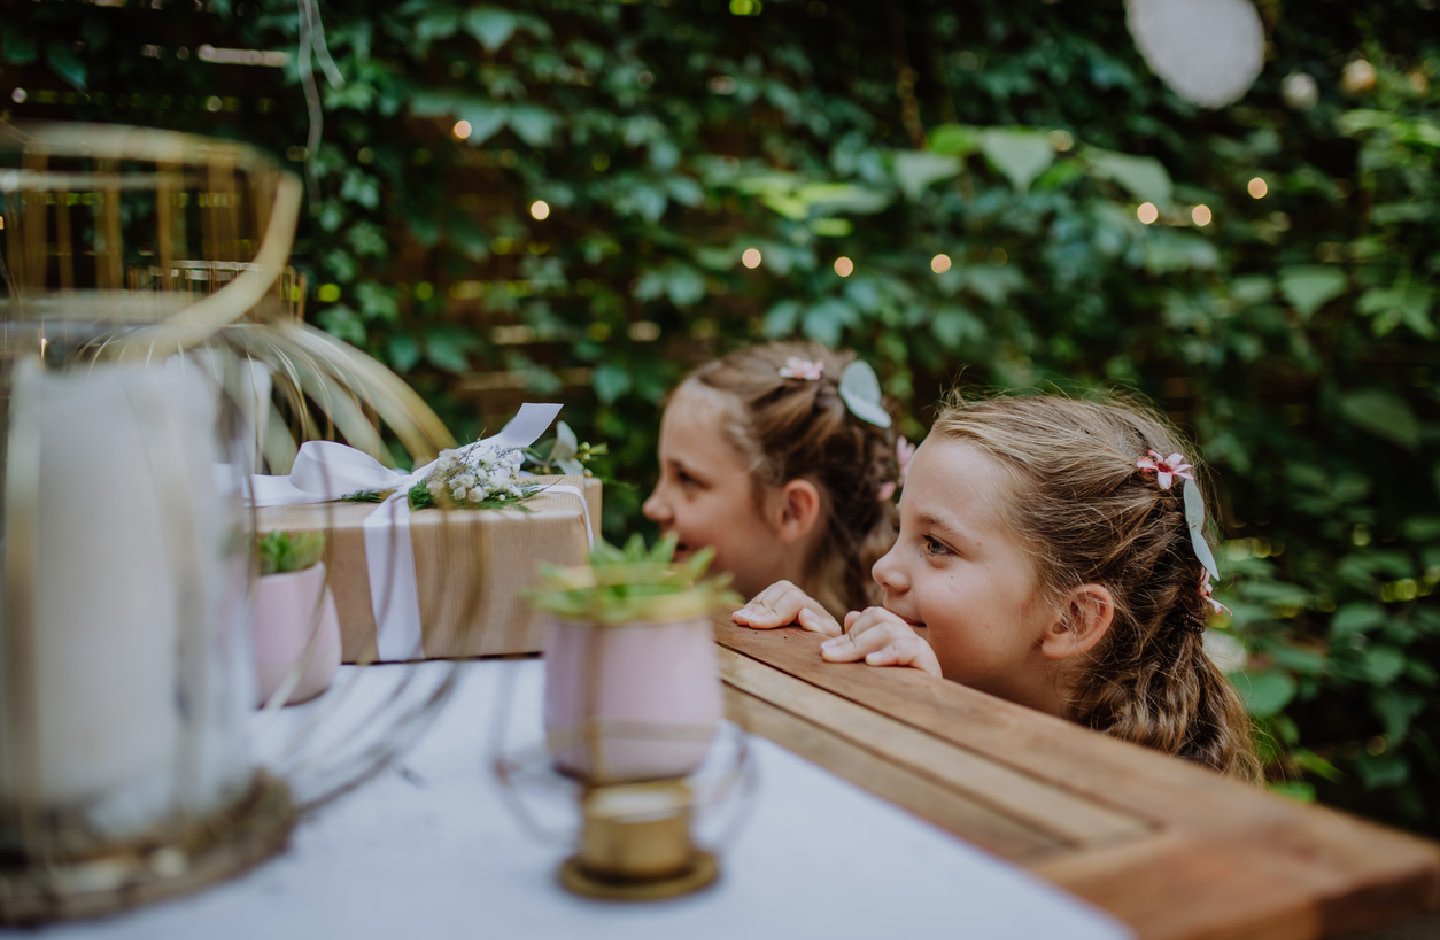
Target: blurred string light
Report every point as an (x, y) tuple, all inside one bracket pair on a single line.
[(1208, 51), (462, 130), (844, 266), (1200, 215), (1357, 77), (1147, 213), (940, 264), (1300, 91), (751, 258), (1257, 188), (540, 209)]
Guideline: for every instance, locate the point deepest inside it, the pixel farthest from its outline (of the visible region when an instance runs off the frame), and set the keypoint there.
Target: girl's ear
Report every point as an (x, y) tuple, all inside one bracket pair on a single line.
[(795, 510), (1085, 618)]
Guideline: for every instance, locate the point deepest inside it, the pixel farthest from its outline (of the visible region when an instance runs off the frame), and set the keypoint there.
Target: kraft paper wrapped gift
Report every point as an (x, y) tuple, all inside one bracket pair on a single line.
[(470, 567)]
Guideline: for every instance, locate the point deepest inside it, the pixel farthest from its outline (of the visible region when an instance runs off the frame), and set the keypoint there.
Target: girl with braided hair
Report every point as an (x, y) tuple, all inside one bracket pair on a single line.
[(782, 458), (1051, 552)]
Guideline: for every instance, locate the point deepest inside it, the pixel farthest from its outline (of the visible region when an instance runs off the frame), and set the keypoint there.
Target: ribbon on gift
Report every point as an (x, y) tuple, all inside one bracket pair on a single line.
[(325, 470)]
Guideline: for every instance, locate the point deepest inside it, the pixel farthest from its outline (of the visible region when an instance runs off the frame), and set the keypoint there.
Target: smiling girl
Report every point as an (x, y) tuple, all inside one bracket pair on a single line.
[(782, 457), (1052, 555)]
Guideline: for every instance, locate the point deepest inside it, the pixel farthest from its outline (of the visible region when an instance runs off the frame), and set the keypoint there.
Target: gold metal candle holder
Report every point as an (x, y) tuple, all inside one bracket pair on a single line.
[(636, 845)]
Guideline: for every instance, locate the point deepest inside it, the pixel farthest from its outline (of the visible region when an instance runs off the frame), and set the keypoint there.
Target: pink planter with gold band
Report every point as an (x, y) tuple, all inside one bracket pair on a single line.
[(631, 701)]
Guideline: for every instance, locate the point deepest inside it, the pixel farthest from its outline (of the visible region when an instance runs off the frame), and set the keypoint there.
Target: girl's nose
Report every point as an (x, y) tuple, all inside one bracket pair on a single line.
[(889, 574), (656, 509)]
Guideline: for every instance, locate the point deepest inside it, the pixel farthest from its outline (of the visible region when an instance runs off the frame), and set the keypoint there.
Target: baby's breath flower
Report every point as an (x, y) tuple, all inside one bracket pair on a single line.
[(477, 474)]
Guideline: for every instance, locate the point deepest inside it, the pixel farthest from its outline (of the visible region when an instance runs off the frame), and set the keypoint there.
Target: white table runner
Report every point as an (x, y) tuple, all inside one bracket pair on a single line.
[(429, 850)]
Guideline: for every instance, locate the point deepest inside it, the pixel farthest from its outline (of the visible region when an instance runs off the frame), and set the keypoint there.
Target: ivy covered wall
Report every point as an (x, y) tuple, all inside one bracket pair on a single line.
[(557, 198)]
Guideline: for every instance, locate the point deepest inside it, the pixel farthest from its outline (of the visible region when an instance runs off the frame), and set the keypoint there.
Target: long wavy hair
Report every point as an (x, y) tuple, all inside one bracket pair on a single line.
[(1087, 515), (793, 428)]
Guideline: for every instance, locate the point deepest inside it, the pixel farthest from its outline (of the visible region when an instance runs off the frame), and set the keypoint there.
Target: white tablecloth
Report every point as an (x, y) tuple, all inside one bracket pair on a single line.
[(429, 849)]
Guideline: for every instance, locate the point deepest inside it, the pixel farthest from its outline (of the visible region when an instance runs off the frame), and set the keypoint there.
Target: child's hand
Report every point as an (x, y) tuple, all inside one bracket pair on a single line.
[(782, 604), (881, 639)]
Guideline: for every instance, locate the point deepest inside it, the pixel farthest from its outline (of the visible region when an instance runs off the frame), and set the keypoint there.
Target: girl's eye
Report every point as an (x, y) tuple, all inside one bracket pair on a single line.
[(687, 479), (935, 547)]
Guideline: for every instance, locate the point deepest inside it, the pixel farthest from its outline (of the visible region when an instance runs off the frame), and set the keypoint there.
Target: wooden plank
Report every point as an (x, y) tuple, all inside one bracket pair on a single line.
[(1336, 872), (1172, 887), (918, 794), (964, 774)]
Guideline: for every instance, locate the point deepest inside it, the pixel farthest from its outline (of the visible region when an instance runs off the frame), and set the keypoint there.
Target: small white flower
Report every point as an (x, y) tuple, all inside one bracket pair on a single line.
[(476, 495)]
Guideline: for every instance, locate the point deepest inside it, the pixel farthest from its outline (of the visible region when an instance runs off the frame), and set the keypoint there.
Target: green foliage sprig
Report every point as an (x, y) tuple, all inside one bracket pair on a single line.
[(633, 583), (282, 552)]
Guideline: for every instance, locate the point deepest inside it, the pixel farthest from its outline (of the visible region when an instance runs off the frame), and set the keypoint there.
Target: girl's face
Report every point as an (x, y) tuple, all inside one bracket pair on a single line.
[(960, 571), (705, 496)]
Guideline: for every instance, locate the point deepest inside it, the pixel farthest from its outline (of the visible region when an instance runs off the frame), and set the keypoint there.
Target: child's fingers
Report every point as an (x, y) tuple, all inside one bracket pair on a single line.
[(859, 622), (861, 639), (782, 604), (907, 650), (840, 649), (821, 622), (881, 639)]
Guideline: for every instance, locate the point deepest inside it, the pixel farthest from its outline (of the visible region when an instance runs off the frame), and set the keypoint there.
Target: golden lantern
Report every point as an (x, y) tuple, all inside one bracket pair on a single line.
[(152, 360)]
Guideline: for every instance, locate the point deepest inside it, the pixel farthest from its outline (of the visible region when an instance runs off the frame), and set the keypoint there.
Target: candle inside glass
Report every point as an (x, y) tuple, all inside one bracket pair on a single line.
[(131, 714)]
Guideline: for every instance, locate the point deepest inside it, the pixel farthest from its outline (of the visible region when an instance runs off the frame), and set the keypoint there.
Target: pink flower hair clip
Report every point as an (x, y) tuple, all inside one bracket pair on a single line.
[(1208, 592), (904, 450), (797, 368), (1166, 469)]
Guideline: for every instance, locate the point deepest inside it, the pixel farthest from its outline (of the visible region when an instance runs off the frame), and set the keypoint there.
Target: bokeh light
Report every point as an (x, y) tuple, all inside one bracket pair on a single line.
[(751, 258), (540, 209), (940, 264), (1257, 188), (462, 130), (1147, 213), (1200, 215), (844, 266)]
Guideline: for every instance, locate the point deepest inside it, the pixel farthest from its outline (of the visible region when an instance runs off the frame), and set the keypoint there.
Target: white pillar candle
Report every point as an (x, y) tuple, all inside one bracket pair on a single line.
[(130, 715)]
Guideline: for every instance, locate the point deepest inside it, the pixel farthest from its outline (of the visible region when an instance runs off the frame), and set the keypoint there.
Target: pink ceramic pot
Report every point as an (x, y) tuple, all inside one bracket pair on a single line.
[(635, 701), (287, 628)]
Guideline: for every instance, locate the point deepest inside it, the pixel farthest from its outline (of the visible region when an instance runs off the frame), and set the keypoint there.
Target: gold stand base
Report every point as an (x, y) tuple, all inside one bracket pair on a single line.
[(635, 844), (701, 874), (254, 829)]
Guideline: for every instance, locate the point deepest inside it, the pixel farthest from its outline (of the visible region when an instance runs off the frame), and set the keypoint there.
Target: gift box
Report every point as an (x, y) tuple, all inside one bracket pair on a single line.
[(470, 567)]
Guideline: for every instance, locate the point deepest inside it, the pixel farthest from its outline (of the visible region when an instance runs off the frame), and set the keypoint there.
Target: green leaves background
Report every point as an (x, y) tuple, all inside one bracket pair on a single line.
[(1294, 335)]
